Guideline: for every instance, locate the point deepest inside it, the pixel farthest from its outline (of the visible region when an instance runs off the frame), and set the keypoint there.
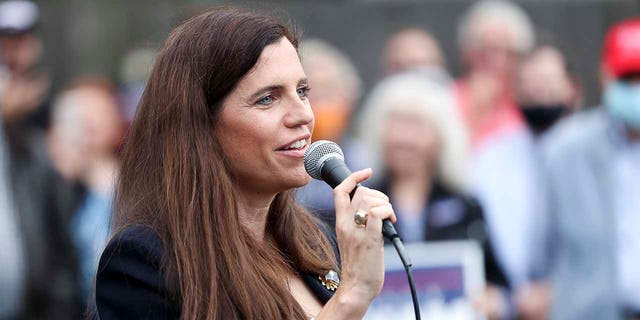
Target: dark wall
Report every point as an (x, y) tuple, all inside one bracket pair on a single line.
[(91, 36)]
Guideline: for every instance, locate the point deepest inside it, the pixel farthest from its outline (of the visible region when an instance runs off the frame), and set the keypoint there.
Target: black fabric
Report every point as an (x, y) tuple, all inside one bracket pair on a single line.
[(540, 118), (131, 285), (469, 225), (313, 282), (44, 203), (129, 282)]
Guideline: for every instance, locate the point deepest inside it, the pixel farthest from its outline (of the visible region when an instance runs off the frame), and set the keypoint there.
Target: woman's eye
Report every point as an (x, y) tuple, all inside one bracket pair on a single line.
[(265, 101), (303, 92)]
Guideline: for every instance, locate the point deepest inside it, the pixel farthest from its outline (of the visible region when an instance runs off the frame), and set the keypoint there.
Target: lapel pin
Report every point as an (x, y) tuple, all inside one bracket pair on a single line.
[(331, 280)]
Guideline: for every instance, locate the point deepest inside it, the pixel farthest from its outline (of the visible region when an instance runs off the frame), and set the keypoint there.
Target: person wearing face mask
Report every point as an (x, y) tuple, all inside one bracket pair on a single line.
[(494, 37), (592, 162), (546, 90)]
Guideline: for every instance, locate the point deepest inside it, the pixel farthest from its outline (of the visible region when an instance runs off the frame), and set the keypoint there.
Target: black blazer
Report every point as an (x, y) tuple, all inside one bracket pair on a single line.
[(130, 284), (43, 203)]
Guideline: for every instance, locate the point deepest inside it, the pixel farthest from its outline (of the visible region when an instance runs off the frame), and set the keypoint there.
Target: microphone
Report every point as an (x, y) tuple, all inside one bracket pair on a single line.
[(324, 160)]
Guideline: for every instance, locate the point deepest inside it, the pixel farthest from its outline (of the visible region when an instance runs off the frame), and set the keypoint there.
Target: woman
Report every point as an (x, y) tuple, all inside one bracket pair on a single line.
[(413, 128), (86, 131), (206, 225)]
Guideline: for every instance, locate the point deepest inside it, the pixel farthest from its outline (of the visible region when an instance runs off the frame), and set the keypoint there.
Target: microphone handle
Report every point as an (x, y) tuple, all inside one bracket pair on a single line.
[(334, 171)]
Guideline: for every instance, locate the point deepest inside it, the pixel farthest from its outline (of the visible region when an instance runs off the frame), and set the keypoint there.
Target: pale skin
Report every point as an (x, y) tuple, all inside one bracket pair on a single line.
[(83, 136), (267, 111), (411, 146)]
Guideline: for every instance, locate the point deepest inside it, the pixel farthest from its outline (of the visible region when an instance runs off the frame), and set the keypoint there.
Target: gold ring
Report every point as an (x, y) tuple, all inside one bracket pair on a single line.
[(360, 218)]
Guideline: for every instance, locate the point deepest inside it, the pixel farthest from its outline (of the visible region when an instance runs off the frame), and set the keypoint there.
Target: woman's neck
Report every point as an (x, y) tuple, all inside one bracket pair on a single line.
[(253, 209), (101, 174), (411, 191)]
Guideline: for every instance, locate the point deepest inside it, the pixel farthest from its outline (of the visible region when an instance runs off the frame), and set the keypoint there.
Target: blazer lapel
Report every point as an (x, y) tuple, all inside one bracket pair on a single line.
[(314, 282)]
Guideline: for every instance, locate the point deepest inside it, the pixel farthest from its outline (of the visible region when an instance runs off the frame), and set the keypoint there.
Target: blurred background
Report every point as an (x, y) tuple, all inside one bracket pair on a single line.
[(511, 124), (93, 36)]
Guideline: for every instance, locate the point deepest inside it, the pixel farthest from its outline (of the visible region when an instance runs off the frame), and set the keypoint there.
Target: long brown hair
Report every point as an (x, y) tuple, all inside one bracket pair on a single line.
[(174, 178)]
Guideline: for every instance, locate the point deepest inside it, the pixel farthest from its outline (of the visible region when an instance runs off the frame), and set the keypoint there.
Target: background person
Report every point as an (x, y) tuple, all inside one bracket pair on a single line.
[(546, 92), (592, 161), (411, 48), (37, 265), (493, 36), (24, 87), (422, 144), (86, 130), (546, 88)]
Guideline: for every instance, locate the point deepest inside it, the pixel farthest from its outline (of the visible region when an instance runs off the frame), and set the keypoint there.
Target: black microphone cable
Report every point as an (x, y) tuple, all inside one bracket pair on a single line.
[(406, 263), (389, 232)]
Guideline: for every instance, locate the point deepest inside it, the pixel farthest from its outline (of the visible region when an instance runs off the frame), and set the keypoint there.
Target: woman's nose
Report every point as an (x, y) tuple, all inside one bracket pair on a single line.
[(299, 113)]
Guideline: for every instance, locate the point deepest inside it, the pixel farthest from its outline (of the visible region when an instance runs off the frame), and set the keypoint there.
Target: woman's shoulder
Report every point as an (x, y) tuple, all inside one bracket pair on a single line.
[(135, 239), (130, 282)]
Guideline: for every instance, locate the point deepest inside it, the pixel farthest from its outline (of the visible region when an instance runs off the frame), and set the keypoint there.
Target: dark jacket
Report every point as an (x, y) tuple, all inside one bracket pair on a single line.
[(131, 285), (43, 203), (452, 216)]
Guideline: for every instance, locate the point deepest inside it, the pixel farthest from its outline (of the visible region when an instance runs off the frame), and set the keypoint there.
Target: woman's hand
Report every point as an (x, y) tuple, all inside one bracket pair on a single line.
[(361, 247)]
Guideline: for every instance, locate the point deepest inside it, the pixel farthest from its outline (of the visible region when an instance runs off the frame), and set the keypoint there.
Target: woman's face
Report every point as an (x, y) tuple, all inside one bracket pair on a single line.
[(266, 123), (410, 145)]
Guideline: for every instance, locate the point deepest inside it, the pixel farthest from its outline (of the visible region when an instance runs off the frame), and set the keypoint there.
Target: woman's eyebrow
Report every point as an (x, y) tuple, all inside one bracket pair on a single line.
[(262, 90)]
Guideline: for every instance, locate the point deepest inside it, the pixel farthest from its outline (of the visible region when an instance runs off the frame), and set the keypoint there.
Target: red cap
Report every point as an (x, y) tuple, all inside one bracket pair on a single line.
[(622, 48)]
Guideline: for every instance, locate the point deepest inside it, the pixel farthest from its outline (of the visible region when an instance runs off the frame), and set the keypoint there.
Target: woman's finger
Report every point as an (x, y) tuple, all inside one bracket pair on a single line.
[(379, 194), (341, 193), (382, 203), (363, 201), (375, 217), (368, 201)]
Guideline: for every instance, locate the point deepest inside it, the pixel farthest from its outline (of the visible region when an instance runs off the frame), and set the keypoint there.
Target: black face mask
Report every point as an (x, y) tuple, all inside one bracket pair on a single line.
[(542, 117)]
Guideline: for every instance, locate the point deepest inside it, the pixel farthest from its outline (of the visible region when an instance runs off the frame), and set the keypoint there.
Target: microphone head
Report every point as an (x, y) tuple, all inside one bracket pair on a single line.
[(318, 153)]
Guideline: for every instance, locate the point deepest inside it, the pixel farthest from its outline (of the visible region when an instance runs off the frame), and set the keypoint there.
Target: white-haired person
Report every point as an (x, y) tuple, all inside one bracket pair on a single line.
[(494, 37), (410, 126)]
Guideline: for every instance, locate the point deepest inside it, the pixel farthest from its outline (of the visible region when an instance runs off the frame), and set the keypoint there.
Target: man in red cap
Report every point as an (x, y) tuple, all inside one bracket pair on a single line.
[(593, 170), (622, 73)]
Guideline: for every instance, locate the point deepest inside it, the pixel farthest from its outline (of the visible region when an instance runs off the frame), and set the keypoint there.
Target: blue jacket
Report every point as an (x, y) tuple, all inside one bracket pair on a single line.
[(580, 230)]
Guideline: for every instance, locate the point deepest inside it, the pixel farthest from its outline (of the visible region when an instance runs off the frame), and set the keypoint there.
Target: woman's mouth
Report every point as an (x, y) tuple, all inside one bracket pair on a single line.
[(295, 149)]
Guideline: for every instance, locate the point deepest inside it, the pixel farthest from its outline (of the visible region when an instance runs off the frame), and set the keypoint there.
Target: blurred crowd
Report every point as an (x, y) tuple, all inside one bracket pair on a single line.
[(506, 154)]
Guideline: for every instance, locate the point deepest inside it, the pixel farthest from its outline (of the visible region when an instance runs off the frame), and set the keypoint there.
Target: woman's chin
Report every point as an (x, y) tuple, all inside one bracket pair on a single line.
[(298, 180), (303, 181)]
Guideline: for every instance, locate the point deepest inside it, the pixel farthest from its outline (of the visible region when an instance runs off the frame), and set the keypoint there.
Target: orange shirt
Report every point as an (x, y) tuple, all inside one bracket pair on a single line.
[(503, 118)]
